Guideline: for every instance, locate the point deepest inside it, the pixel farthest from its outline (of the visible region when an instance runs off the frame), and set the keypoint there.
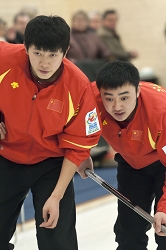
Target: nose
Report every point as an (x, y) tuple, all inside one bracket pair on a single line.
[(44, 62), (116, 105)]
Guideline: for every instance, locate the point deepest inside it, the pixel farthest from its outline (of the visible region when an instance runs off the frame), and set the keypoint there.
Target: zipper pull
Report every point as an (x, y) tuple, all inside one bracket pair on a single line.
[(119, 133), (33, 98)]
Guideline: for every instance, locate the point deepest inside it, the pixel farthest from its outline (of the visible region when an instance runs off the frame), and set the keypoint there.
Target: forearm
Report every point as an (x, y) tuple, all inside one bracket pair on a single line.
[(67, 172)]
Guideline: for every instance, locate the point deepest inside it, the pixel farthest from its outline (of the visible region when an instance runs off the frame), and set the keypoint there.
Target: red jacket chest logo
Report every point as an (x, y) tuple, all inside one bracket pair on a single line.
[(55, 105)]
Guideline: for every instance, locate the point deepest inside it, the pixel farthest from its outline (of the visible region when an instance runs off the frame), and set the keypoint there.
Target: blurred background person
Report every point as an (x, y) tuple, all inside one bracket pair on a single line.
[(3, 26), (85, 45), (94, 20), (111, 38), (31, 11), (15, 34)]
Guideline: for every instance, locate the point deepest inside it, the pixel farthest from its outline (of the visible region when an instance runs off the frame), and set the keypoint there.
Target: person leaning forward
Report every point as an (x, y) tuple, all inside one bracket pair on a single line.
[(133, 115), (43, 102)]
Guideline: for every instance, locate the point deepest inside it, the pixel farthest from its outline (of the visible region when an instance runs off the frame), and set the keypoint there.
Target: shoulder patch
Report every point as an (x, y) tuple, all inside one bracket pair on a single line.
[(164, 149), (92, 122)]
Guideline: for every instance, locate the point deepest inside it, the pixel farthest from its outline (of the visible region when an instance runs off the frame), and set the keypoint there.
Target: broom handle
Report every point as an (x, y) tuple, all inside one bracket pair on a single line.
[(122, 198)]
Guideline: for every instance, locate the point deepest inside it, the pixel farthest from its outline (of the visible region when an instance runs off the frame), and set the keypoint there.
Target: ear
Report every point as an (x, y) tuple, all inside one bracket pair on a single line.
[(25, 49), (138, 90), (66, 51)]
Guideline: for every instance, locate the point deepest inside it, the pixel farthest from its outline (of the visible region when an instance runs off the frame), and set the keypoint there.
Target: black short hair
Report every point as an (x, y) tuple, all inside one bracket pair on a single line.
[(116, 74), (50, 33), (109, 12)]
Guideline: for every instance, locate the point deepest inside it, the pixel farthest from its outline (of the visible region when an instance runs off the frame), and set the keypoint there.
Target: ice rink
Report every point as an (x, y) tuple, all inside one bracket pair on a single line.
[(95, 220)]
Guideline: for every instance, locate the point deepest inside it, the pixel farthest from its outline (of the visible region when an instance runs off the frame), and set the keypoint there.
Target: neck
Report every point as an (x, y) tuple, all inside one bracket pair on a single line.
[(48, 81)]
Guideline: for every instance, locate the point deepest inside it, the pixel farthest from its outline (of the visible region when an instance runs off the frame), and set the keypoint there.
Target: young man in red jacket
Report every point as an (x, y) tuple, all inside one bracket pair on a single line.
[(133, 115), (43, 102)]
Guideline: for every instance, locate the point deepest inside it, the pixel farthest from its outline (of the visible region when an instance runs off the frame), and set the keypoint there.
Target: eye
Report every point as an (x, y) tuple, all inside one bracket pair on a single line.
[(124, 98), (53, 55), (37, 53), (109, 99)]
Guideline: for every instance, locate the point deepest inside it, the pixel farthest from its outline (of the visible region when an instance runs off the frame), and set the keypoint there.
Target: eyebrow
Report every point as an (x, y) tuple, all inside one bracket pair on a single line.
[(54, 52), (122, 93)]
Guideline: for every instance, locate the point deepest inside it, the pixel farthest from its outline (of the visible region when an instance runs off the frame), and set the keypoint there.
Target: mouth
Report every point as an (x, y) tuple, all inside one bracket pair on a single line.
[(44, 72), (119, 114)]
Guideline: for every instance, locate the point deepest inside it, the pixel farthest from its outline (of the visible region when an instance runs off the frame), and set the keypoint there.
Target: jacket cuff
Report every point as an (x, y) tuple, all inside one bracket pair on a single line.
[(77, 157)]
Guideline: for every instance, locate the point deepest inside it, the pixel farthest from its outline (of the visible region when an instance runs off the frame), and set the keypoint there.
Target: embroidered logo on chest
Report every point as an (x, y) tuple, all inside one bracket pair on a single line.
[(55, 105), (137, 135), (14, 85)]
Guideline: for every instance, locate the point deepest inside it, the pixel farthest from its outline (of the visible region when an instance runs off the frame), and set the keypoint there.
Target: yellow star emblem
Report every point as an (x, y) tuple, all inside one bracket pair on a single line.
[(14, 85), (104, 122)]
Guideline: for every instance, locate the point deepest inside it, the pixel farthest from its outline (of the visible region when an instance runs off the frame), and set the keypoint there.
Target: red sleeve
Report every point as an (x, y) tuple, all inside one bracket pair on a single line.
[(83, 130), (161, 149), (161, 206)]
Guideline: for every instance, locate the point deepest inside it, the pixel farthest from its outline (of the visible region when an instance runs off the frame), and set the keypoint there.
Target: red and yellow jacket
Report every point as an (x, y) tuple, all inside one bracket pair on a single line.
[(143, 141), (62, 119)]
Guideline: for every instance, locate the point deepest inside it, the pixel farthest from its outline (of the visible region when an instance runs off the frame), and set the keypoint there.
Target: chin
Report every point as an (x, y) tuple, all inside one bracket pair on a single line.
[(44, 77)]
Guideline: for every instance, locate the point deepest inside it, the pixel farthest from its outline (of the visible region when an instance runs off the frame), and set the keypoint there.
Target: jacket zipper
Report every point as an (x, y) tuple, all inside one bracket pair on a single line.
[(28, 158), (119, 133)]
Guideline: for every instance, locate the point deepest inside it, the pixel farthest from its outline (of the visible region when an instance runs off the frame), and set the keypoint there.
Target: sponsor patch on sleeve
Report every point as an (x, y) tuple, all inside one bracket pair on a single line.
[(92, 122), (164, 149)]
